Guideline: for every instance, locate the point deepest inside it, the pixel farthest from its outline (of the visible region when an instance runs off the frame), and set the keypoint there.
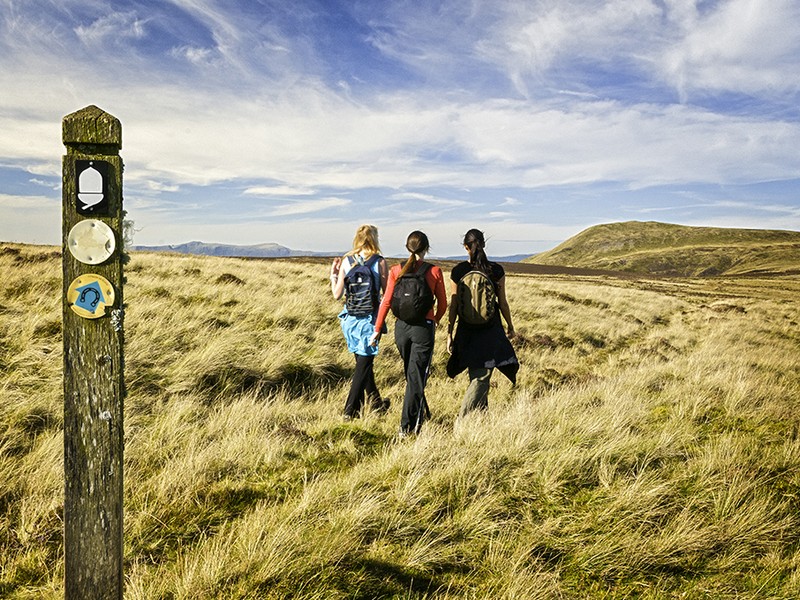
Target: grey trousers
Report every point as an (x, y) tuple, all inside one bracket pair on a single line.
[(477, 394)]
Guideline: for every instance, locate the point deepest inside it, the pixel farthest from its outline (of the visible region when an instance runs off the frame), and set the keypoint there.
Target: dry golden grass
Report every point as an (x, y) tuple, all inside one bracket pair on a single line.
[(649, 450)]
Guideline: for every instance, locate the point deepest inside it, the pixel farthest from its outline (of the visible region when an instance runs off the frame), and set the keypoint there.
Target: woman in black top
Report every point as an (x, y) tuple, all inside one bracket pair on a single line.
[(479, 349)]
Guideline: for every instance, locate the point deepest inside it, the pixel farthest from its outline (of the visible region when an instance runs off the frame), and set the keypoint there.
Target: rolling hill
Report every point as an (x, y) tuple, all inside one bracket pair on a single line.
[(677, 250)]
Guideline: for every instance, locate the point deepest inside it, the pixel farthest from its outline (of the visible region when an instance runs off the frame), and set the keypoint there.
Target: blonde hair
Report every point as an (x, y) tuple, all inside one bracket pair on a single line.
[(365, 241)]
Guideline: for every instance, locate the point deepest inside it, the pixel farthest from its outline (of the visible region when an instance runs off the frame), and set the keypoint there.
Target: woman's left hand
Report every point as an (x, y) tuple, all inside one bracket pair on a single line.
[(373, 340)]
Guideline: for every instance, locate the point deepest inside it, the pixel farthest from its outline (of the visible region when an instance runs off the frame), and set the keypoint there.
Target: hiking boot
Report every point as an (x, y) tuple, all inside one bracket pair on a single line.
[(381, 406)]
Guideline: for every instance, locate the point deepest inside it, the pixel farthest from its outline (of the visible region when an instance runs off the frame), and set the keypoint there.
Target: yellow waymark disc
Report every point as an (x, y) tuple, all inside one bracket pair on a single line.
[(89, 295)]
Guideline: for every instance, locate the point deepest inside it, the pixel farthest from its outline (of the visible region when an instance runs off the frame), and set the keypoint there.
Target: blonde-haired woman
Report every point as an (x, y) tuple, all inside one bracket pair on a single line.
[(360, 276), (412, 302)]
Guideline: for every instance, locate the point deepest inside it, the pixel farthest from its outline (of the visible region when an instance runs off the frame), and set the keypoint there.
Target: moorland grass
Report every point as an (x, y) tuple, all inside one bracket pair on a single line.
[(649, 450)]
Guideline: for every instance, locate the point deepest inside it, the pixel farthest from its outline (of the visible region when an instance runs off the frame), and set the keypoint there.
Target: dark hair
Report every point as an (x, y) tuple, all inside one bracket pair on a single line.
[(475, 243), (416, 242)]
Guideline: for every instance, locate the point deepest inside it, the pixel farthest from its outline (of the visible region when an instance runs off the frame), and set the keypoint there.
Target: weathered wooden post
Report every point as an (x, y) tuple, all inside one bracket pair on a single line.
[(93, 354)]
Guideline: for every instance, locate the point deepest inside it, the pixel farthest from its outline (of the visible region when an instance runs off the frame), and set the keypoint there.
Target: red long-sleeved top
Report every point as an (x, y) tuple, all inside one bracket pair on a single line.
[(435, 280)]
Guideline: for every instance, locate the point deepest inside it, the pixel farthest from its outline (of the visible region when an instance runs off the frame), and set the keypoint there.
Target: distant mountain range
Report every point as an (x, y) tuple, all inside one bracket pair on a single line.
[(210, 249), (649, 248), (271, 251), (676, 250)]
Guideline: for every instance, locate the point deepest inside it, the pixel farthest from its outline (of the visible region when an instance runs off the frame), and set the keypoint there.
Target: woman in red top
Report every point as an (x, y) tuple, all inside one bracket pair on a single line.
[(414, 336)]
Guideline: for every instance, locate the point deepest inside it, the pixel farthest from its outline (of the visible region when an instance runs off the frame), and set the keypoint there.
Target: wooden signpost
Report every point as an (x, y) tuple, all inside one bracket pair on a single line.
[(93, 355)]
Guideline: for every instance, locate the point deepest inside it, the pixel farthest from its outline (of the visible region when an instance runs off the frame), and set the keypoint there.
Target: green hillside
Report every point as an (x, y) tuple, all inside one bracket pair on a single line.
[(678, 250)]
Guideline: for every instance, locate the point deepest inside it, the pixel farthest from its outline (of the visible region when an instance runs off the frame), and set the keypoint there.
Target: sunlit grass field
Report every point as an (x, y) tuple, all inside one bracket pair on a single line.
[(649, 450)]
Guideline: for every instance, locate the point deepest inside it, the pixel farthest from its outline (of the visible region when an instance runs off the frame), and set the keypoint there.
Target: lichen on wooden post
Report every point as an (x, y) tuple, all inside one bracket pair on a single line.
[(93, 355)]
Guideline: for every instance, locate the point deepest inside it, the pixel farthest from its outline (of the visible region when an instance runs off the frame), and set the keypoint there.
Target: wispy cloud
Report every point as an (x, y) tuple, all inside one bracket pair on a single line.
[(111, 28), (748, 46), (278, 190), (430, 199), (307, 207)]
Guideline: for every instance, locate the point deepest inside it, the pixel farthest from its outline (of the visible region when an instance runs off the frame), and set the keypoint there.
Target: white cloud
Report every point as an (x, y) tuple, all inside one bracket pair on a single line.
[(31, 219), (195, 55), (306, 207), (46, 184), (789, 211), (160, 186), (278, 190), (747, 46), (111, 27), (430, 199)]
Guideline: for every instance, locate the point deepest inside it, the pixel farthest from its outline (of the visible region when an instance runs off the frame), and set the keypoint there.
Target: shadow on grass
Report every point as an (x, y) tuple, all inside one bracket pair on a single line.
[(295, 378), (159, 537), (364, 579)]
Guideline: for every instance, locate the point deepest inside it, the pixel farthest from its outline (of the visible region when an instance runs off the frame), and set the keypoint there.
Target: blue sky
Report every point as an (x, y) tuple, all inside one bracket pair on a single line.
[(254, 121)]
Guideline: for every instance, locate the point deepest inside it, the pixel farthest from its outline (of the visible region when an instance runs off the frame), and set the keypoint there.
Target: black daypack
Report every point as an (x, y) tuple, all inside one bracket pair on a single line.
[(477, 300), (362, 291), (412, 297)]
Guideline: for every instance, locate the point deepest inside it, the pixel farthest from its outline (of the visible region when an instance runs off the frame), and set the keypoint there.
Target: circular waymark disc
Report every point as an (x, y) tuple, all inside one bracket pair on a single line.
[(89, 295), (91, 242)]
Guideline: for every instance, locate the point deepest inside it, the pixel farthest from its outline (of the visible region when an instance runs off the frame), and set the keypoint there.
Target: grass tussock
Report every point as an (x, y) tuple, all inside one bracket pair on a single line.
[(649, 450)]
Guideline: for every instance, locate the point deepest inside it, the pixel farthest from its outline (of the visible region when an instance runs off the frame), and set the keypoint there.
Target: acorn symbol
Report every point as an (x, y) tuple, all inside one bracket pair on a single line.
[(90, 187)]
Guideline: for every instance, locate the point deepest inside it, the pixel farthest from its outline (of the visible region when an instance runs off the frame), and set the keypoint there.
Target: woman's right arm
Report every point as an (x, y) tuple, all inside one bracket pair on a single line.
[(337, 278), (504, 308), (451, 315)]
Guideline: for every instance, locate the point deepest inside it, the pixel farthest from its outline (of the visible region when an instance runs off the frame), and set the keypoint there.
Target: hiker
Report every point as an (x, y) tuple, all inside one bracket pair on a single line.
[(480, 345), (360, 275), (411, 292)]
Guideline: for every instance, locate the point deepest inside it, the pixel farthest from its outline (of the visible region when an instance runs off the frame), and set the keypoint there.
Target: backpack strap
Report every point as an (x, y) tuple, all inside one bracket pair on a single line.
[(424, 267), (422, 270), (357, 259), (376, 276), (371, 260), (353, 260)]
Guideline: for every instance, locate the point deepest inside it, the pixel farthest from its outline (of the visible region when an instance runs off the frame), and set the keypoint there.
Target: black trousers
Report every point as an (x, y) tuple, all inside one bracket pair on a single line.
[(415, 344), (362, 384)]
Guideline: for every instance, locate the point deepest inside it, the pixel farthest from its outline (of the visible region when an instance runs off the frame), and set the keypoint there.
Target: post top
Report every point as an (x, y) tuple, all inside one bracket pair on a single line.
[(91, 125)]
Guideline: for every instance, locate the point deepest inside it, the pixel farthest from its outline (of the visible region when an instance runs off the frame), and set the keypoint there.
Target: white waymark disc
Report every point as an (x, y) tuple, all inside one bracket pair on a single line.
[(91, 242)]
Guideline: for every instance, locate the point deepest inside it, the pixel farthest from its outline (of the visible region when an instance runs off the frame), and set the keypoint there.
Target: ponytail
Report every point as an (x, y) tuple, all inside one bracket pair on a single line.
[(416, 243), (475, 243)]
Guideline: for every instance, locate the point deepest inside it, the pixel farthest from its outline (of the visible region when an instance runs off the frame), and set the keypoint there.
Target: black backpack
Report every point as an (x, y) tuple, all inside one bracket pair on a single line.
[(412, 297), (361, 289)]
